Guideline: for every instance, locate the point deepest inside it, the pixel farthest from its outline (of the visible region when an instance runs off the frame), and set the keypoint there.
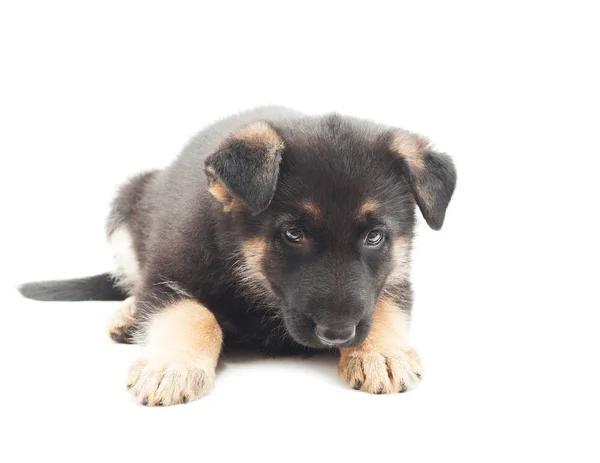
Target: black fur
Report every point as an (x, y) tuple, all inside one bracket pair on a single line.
[(188, 246), (96, 288)]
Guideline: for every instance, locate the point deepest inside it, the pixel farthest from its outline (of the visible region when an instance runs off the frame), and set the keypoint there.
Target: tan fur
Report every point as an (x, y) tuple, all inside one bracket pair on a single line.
[(228, 200), (121, 320), (312, 209), (250, 268), (260, 133), (178, 363), (384, 363), (411, 147), (253, 250), (370, 206), (400, 261), (219, 192)]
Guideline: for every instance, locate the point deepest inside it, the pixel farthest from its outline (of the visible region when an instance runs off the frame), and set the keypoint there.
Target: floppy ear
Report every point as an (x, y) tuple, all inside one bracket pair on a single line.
[(245, 168), (432, 175)]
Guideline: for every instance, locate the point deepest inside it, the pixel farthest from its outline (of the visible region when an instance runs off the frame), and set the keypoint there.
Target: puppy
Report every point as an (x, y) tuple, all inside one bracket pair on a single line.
[(273, 231)]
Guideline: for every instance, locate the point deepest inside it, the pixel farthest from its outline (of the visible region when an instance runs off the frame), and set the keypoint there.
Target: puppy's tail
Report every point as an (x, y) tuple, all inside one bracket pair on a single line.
[(95, 288)]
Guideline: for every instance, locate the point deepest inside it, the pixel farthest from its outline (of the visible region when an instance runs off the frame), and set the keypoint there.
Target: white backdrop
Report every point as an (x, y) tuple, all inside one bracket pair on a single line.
[(506, 315)]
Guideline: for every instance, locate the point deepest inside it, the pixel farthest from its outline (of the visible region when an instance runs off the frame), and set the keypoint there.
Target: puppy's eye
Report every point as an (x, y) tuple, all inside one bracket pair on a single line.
[(293, 235), (374, 238)]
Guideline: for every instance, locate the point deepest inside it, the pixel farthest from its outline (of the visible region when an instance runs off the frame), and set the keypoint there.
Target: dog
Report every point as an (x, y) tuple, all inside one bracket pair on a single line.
[(275, 231)]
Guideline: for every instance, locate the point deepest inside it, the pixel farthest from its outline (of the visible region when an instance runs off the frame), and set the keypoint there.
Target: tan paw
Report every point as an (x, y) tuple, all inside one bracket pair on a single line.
[(396, 370), (121, 323), (170, 382)]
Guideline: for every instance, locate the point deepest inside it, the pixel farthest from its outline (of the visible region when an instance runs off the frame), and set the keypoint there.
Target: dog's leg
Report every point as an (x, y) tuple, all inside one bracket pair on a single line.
[(177, 365), (121, 324), (384, 363)]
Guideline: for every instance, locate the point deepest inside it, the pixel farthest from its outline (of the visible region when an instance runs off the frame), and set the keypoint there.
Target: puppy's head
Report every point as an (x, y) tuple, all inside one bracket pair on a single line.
[(323, 212)]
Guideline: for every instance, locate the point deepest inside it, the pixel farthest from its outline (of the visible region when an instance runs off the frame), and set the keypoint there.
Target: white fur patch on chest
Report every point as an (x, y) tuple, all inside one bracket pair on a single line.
[(128, 268)]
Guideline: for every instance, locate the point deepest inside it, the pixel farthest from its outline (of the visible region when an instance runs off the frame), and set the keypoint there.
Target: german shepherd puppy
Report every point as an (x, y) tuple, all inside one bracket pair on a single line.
[(273, 231)]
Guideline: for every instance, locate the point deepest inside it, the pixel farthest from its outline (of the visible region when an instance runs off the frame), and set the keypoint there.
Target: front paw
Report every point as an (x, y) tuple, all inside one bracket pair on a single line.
[(121, 325), (180, 379), (396, 370)]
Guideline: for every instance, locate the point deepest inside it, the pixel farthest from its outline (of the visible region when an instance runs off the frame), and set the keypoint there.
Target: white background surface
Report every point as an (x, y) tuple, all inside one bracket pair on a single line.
[(506, 316)]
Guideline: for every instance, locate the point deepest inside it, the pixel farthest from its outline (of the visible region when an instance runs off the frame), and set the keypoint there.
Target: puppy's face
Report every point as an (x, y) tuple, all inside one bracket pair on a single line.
[(326, 222)]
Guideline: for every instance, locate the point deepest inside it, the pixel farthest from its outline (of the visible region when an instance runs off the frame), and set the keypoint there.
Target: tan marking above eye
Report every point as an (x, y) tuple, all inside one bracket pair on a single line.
[(370, 206), (311, 209)]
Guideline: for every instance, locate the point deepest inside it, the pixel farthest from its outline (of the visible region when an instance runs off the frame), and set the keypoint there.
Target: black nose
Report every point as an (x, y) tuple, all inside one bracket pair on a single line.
[(335, 336)]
